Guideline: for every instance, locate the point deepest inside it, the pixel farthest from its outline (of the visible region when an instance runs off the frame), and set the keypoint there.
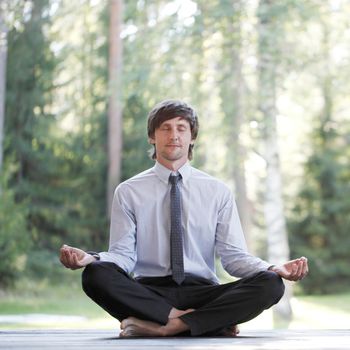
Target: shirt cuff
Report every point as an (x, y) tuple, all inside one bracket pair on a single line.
[(94, 254)]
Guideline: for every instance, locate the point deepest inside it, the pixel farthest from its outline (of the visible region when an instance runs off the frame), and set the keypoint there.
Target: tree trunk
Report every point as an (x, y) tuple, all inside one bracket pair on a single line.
[(115, 108), (278, 248), (3, 57), (233, 93), (237, 147)]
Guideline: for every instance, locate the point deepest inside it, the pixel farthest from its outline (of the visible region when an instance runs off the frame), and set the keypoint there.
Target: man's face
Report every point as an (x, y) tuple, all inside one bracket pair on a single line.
[(172, 140)]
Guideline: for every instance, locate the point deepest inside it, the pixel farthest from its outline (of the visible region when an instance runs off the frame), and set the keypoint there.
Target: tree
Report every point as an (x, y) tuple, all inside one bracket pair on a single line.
[(268, 47), (28, 121), (319, 222), (13, 239), (115, 108), (232, 87), (79, 132), (3, 58)]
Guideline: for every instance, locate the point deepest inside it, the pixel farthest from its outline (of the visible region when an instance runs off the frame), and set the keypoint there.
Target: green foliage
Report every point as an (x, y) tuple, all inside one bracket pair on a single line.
[(81, 151), (28, 119), (135, 146), (321, 224), (14, 236), (56, 113), (29, 82), (60, 175)]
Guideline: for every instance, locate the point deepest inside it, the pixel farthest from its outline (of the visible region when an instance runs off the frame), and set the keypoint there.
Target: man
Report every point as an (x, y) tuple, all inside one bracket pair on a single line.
[(167, 223)]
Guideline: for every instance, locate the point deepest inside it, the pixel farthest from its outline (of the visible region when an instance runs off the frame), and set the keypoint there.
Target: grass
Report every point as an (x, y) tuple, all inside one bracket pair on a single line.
[(41, 298), (339, 302), (326, 311), (310, 312), (59, 302)]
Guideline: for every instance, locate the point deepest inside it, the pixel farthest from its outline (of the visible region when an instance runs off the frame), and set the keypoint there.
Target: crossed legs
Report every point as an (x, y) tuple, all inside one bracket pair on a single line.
[(165, 311), (132, 326)]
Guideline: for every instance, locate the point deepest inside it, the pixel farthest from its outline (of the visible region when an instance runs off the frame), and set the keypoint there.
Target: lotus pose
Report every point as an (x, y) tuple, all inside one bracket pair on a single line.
[(167, 225)]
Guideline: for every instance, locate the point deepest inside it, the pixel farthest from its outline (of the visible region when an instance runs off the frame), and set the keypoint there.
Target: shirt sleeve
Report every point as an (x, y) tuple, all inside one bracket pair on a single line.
[(122, 241), (230, 242)]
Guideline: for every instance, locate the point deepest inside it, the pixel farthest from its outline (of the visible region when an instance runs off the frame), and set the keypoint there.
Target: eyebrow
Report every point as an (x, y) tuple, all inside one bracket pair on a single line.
[(180, 122)]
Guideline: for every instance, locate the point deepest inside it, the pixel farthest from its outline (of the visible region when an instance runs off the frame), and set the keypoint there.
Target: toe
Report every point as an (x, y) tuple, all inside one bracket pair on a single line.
[(123, 323)]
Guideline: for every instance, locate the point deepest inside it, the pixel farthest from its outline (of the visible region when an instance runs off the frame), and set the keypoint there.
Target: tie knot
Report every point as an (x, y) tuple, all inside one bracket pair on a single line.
[(174, 179)]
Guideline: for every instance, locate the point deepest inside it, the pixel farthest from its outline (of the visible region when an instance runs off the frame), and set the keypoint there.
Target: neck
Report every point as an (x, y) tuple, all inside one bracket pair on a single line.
[(172, 165)]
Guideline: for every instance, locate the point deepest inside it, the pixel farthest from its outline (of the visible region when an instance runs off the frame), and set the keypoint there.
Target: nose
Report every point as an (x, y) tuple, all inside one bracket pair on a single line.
[(174, 135)]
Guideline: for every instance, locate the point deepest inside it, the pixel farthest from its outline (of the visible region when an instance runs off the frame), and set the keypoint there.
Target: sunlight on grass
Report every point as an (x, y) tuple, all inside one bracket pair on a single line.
[(313, 313), (48, 322), (310, 312), (35, 306)]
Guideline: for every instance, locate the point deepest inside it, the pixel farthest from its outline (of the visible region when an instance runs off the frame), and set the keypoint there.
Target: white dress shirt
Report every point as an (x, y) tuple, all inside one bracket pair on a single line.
[(140, 226)]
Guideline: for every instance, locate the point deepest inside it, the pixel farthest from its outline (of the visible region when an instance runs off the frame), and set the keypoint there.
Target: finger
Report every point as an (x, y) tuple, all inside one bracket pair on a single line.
[(66, 258), (294, 270), (294, 261), (63, 260), (70, 258), (299, 272), (63, 257), (305, 267), (306, 261), (76, 260)]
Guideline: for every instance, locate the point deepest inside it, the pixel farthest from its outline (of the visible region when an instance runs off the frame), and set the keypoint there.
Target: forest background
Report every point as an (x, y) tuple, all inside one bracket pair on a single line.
[(270, 81)]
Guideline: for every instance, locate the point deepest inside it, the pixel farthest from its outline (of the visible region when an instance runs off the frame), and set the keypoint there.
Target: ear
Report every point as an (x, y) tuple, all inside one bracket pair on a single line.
[(151, 141), (192, 142)]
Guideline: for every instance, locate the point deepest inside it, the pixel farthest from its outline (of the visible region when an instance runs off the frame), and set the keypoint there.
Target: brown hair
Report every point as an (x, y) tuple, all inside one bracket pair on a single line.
[(169, 109)]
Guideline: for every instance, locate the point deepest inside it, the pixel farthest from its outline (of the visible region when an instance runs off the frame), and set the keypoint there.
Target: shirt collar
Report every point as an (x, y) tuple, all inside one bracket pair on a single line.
[(163, 173)]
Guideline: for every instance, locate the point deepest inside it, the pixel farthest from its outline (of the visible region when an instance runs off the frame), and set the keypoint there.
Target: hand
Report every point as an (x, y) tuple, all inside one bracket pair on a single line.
[(74, 258), (293, 270)]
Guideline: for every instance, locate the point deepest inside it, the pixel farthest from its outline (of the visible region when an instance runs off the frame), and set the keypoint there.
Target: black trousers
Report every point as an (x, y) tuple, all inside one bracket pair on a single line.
[(216, 306)]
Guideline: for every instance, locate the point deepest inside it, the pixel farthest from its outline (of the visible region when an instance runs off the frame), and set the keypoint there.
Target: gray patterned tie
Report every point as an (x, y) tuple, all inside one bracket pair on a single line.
[(176, 231)]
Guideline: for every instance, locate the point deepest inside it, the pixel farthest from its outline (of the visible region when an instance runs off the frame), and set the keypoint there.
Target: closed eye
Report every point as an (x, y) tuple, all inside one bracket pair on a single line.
[(182, 128)]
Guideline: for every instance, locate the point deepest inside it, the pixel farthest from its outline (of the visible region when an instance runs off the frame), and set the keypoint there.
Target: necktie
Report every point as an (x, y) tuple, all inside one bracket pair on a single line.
[(176, 232)]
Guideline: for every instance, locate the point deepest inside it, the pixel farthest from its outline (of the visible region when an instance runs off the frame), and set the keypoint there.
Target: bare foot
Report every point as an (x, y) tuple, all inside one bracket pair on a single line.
[(232, 331), (133, 327)]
